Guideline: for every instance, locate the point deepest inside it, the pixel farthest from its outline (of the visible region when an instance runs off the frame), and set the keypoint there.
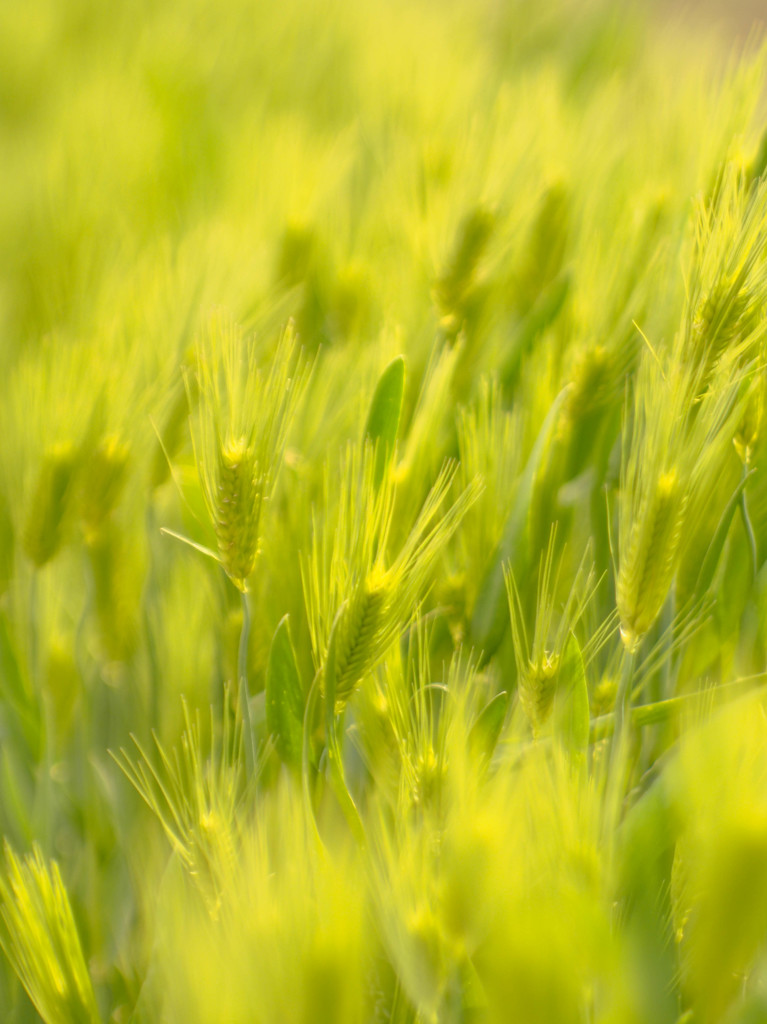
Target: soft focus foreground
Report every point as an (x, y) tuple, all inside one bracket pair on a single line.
[(383, 517)]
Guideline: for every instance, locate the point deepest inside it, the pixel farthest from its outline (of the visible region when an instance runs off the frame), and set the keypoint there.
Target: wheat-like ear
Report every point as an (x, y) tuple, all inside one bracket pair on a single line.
[(453, 287), (46, 516), (362, 631), (102, 479), (687, 408), (728, 290), (352, 575), (39, 937), (654, 493), (239, 495), (538, 661), (749, 427), (649, 562), (197, 797), (240, 433)]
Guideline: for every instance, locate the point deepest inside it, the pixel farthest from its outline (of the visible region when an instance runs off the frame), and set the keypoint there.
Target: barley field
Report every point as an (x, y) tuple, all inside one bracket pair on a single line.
[(383, 513)]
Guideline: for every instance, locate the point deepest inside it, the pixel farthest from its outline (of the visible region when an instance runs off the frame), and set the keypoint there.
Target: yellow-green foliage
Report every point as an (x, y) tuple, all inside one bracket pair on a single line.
[(245, 413), (40, 939), (437, 334)]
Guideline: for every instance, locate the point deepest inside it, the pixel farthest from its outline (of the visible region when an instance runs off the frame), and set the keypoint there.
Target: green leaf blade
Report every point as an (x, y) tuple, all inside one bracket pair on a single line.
[(284, 697), (384, 415), (486, 730), (572, 720)]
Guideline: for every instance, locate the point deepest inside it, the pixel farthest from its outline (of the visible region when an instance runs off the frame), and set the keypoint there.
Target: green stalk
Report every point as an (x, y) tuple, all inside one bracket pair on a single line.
[(150, 612), (750, 536), (242, 678), (617, 763), (663, 710), (340, 788), (43, 797), (667, 631), (622, 703), (335, 756), (306, 766)]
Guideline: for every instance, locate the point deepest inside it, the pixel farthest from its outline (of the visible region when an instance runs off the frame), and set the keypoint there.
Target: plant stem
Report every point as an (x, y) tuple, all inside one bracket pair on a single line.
[(43, 798), (623, 698), (749, 532), (663, 711), (242, 680), (151, 613), (622, 712), (340, 788), (668, 617), (306, 767)]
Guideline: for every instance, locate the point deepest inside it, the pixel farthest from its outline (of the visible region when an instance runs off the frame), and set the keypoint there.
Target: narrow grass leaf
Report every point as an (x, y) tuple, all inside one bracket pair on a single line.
[(335, 755), (714, 552), (484, 734), (384, 415), (490, 618), (284, 697), (571, 706)]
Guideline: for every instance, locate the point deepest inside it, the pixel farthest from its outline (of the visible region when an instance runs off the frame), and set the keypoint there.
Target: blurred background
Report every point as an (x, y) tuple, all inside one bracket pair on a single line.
[(741, 17)]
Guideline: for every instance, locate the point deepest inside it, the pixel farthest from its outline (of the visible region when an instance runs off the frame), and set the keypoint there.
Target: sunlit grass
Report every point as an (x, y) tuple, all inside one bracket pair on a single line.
[(382, 514)]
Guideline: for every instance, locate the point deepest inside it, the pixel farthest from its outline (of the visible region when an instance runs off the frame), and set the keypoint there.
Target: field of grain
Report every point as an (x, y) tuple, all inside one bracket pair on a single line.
[(383, 513)]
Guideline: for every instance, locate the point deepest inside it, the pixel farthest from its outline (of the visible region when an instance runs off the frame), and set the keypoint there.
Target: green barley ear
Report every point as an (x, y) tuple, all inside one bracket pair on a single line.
[(655, 493), (537, 686), (750, 425), (593, 382), (454, 285), (238, 509), (353, 578), (239, 440), (196, 794), (102, 479), (361, 622), (545, 251), (43, 530), (722, 317), (539, 656), (727, 292), (649, 557), (39, 936)]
